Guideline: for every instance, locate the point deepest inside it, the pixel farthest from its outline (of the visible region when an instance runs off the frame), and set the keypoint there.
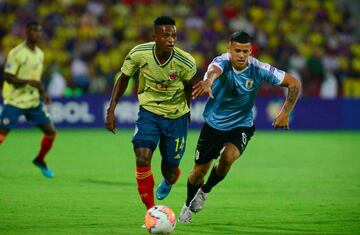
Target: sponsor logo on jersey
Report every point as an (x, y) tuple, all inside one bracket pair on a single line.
[(161, 87)]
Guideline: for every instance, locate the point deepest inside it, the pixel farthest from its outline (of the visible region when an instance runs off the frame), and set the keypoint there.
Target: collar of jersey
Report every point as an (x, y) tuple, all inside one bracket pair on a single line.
[(29, 49), (158, 62), (240, 71)]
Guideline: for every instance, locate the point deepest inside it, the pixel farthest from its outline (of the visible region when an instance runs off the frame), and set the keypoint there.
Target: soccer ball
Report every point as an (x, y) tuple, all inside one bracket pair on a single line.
[(160, 220)]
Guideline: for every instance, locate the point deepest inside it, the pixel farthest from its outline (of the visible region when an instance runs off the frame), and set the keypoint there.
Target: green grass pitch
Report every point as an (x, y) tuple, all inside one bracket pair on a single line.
[(285, 183)]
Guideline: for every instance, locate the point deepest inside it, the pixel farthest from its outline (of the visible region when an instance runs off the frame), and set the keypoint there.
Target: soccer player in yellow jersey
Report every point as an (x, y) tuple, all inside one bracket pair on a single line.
[(165, 81), (23, 92)]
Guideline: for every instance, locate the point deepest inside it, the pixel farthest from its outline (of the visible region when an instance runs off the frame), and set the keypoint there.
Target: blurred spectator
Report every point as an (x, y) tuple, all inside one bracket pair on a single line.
[(80, 74), (57, 84), (88, 40), (313, 74), (329, 87), (98, 85)]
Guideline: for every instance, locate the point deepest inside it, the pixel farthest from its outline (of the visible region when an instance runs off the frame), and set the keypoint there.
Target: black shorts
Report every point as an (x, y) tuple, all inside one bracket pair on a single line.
[(211, 141)]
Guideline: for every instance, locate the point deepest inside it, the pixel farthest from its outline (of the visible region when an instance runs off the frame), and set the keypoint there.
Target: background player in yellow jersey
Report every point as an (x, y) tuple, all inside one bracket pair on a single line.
[(23, 91), (164, 93)]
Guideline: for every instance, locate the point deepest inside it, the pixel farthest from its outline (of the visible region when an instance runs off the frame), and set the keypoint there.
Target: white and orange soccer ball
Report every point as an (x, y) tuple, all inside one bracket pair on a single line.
[(160, 220)]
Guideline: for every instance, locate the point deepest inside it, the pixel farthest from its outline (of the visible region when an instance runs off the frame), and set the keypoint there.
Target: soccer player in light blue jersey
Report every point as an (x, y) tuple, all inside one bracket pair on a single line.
[(232, 82)]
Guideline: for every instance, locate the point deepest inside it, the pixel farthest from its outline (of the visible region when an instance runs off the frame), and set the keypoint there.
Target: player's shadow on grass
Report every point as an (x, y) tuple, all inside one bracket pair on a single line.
[(105, 182)]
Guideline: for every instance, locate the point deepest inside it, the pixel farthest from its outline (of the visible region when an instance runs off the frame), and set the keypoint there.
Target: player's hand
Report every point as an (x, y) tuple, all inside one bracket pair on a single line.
[(202, 88), (47, 99), (281, 121), (110, 123)]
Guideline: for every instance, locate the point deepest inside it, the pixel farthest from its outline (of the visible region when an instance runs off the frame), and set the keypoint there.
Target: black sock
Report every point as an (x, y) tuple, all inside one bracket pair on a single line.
[(213, 180), (191, 191)]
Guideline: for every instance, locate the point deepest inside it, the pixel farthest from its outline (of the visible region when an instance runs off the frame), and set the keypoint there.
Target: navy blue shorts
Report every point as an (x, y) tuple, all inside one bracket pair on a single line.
[(10, 115), (151, 129)]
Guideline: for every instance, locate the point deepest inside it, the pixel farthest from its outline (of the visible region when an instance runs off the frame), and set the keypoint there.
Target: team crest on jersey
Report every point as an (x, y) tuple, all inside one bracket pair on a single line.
[(173, 75), (249, 83)]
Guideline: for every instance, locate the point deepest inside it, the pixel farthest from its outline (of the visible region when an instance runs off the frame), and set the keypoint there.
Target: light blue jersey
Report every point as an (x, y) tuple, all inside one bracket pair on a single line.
[(235, 92)]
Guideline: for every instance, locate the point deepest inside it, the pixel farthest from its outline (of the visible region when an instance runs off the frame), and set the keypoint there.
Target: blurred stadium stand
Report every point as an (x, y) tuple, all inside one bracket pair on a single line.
[(86, 41)]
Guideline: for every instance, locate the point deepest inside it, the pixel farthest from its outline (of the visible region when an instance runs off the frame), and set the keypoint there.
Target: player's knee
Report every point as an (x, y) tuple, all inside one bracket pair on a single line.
[(227, 160), (229, 156), (142, 160), (143, 156), (51, 134), (199, 172)]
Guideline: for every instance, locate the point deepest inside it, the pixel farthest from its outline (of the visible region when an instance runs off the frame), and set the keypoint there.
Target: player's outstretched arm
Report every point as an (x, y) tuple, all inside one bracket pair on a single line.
[(294, 88), (117, 92), (204, 86)]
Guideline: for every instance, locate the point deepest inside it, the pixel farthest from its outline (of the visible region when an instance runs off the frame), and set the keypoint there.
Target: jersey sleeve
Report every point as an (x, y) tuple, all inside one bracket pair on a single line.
[(271, 74), (191, 72), (131, 63), (220, 61), (12, 63)]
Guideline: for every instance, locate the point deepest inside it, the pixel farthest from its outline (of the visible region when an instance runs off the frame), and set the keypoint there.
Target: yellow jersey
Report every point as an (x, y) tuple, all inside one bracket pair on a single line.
[(23, 63), (161, 86)]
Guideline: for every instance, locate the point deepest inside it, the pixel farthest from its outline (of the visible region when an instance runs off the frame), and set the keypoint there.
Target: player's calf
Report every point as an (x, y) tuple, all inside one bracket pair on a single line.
[(164, 188), (45, 146), (145, 182)]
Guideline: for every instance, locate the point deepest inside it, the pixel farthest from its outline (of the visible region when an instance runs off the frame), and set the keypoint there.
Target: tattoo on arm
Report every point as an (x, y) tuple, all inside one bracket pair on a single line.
[(212, 75), (293, 94)]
